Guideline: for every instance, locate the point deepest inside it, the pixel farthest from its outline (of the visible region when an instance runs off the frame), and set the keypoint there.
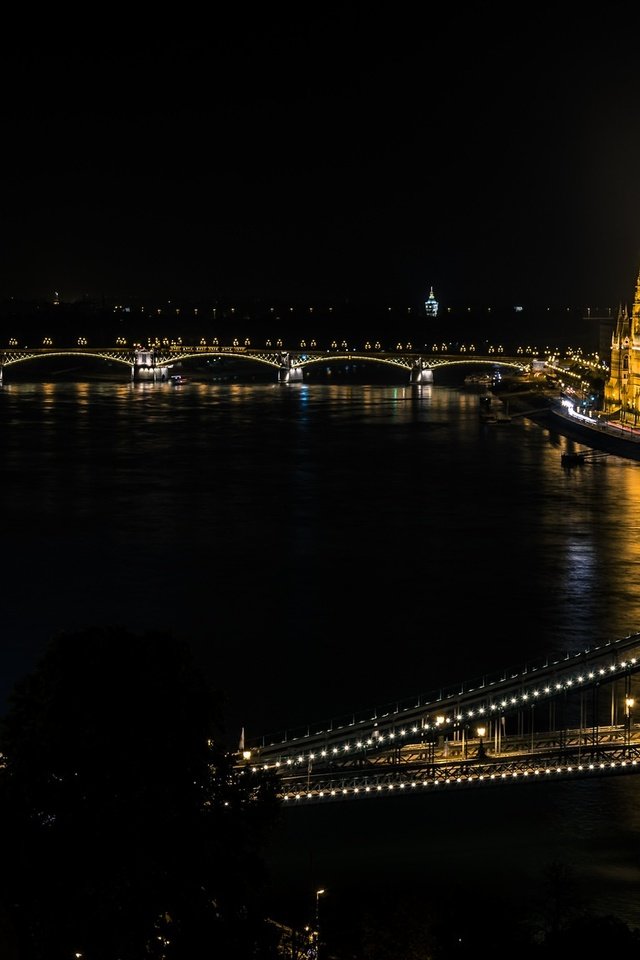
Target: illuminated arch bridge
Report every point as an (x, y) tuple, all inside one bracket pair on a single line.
[(560, 717), (157, 363)]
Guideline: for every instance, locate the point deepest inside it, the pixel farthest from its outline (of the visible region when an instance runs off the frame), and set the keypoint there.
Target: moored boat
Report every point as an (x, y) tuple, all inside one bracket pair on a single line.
[(573, 459), (479, 380), (493, 410)]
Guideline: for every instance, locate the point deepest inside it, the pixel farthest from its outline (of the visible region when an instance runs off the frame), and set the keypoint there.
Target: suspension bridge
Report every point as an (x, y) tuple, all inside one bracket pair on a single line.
[(556, 718)]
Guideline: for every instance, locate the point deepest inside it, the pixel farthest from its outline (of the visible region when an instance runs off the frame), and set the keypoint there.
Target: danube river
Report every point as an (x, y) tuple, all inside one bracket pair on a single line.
[(332, 546)]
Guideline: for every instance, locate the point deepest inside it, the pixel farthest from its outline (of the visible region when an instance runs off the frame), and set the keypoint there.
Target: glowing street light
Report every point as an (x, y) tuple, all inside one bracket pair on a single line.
[(319, 893), (481, 731), (628, 703)]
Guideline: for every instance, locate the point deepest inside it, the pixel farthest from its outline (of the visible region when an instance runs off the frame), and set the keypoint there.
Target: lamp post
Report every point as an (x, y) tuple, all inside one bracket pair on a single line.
[(318, 895), (628, 704), (481, 732), (439, 722)]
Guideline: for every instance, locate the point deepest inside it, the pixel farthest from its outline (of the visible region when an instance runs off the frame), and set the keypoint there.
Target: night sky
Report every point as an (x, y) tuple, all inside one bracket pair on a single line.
[(329, 151)]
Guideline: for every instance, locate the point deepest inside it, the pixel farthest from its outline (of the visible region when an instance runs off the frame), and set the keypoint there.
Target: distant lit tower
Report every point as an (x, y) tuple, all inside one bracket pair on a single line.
[(431, 305)]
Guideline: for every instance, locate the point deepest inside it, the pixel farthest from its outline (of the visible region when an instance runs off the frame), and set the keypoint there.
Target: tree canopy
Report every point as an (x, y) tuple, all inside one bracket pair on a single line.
[(127, 830)]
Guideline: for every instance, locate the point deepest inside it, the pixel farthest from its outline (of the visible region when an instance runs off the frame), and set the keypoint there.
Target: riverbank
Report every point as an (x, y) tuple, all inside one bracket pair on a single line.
[(546, 406), (598, 434)]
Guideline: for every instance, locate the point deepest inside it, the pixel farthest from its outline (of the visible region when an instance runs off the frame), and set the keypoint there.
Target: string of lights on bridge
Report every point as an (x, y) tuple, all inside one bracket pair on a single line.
[(472, 778), (551, 355)]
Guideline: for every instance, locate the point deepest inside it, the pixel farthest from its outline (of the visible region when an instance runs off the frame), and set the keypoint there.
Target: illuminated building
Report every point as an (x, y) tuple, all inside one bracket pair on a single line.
[(431, 305), (622, 389)]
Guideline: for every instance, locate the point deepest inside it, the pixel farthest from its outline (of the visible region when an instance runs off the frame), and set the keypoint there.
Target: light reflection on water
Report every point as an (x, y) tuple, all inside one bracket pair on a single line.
[(391, 515), (326, 548)]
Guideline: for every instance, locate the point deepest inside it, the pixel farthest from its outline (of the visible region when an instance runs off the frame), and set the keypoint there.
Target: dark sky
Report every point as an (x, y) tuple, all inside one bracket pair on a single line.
[(328, 151)]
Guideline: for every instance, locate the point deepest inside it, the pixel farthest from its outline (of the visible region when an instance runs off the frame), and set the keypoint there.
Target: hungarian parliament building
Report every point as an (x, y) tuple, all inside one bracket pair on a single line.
[(622, 390)]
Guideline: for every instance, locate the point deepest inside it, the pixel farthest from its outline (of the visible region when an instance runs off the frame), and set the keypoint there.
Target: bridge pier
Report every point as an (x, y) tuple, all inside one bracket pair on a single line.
[(287, 373), (421, 372), (144, 368)]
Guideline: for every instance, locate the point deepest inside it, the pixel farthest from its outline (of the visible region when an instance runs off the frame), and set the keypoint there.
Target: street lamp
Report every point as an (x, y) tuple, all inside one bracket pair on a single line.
[(481, 731), (318, 895), (440, 719), (628, 703)]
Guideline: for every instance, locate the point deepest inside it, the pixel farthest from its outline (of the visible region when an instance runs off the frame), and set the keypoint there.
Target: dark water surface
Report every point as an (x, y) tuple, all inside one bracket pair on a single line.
[(327, 548)]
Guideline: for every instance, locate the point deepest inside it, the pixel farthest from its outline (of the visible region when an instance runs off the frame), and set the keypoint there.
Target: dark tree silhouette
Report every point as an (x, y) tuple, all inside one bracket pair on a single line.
[(592, 935), (126, 830)]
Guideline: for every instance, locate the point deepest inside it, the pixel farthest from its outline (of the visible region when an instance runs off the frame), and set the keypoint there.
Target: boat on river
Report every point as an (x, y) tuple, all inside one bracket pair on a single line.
[(493, 410), (479, 380), (573, 459)]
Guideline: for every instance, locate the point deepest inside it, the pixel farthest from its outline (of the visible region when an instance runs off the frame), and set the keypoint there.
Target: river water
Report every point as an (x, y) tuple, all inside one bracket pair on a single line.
[(327, 547)]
